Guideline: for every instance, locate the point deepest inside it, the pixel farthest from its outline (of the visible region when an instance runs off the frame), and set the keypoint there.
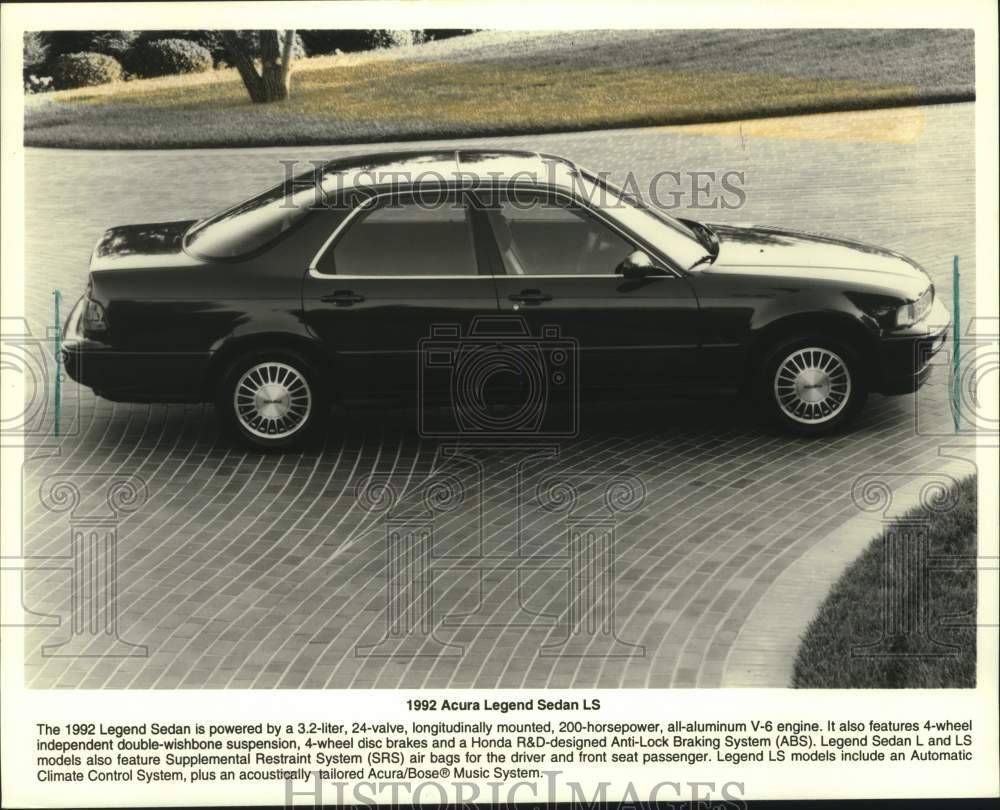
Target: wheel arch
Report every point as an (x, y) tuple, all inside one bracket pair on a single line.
[(836, 325), (311, 349)]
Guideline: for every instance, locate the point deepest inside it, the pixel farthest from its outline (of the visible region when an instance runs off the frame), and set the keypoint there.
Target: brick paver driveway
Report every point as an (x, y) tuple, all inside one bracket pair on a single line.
[(236, 569)]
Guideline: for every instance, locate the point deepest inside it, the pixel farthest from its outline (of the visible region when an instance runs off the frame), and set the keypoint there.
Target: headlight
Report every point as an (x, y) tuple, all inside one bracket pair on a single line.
[(909, 314)]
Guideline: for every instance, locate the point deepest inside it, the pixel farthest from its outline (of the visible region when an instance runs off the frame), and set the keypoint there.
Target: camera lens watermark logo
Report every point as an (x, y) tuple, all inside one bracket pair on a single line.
[(970, 364), (34, 411), (497, 381)]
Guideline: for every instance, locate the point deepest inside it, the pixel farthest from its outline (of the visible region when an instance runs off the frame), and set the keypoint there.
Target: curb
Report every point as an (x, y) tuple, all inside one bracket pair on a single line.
[(763, 654)]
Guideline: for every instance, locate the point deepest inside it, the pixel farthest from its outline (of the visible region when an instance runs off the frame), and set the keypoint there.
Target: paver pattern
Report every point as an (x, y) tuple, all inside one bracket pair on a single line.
[(243, 570)]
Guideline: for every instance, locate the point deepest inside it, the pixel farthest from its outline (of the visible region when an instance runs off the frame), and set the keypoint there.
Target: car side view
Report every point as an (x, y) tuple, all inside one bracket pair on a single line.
[(475, 277)]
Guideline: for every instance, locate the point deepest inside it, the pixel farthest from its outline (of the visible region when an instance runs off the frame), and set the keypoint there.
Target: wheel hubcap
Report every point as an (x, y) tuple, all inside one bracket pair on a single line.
[(812, 385), (272, 400)]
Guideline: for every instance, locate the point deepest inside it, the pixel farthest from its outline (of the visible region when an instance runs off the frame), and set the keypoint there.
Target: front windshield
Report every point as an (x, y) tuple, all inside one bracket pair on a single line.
[(680, 242)]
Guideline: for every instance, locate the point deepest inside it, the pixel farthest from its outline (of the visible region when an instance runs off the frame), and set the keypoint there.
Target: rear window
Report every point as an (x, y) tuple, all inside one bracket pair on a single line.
[(252, 225), (249, 226)]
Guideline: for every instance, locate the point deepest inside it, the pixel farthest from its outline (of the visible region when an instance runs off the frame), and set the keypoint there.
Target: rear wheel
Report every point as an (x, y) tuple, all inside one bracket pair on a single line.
[(811, 385), (271, 399)]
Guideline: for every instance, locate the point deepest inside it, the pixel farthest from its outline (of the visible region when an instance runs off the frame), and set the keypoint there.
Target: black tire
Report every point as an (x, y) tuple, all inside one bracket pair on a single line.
[(822, 359), (302, 408)]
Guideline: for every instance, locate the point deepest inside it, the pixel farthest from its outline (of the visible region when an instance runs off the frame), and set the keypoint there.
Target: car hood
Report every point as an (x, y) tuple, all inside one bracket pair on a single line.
[(156, 244), (775, 251)]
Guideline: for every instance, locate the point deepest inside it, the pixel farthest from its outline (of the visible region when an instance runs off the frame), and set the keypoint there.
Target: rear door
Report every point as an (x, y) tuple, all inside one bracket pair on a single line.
[(556, 267), (400, 269)]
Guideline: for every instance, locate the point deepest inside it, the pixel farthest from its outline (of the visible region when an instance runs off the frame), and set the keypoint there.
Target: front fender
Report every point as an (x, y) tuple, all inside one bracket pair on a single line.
[(829, 315)]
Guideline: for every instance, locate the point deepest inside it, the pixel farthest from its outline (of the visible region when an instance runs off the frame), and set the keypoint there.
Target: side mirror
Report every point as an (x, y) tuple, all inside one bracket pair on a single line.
[(638, 264)]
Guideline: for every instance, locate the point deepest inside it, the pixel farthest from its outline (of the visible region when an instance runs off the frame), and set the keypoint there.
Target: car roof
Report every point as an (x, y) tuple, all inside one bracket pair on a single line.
[(468, 165)]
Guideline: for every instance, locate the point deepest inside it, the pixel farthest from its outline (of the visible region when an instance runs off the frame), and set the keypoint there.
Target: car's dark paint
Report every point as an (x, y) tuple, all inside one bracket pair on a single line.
[(157, 244), (759, 290), (378, 328), (631, 333), (175, 320), (739, 319)]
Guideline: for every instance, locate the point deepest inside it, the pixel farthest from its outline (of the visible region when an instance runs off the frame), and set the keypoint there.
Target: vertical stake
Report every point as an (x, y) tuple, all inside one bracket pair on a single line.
[(57, 335), (956, 362)]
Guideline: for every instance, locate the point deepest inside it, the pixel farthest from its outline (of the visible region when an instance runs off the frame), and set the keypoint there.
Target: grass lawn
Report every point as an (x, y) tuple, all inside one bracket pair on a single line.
[(852, 614), (501, 82)]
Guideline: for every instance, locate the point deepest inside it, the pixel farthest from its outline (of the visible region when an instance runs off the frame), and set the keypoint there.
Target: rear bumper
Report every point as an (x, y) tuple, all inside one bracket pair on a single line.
[(136, 376), (129, 376), (905, 361)]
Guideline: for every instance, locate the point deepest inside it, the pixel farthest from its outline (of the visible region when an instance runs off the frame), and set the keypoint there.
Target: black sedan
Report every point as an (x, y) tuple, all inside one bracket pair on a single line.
[(503, 285)]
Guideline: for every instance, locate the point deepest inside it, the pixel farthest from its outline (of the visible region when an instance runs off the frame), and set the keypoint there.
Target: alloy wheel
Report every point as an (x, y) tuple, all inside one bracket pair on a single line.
[(272, 400), (812, 385)]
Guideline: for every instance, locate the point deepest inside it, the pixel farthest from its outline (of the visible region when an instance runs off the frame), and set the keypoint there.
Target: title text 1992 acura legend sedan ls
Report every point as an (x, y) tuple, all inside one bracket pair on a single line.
[(470, 277)]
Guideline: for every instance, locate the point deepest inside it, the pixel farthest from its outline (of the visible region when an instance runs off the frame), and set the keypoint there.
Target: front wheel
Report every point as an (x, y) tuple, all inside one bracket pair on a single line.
[(271, 399), (811, 385)]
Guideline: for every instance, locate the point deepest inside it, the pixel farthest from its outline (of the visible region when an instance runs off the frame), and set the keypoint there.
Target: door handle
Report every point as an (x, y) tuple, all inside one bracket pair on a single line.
[(342, 298), (530, 297)]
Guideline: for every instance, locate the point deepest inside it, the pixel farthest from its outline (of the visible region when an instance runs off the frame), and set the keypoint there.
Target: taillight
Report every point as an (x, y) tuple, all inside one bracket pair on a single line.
[(94, 319)]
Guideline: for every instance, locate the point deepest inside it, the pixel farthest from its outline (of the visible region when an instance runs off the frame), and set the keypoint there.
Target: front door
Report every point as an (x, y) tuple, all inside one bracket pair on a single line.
[(400, 271), (556, 267)]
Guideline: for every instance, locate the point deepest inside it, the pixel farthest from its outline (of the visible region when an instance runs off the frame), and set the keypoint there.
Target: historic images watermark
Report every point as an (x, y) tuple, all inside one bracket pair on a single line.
[(908, 630), (323, 186), (514, 546), (709, 794), (967, 365), (36, 417), (95, 505), (498, 533)]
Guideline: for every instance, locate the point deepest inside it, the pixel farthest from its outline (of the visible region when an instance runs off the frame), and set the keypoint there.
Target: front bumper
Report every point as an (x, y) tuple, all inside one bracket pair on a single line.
[(906, 360)]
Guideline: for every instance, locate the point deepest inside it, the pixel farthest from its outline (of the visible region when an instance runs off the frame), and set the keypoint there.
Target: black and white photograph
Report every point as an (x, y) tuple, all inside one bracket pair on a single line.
[(440, 396)]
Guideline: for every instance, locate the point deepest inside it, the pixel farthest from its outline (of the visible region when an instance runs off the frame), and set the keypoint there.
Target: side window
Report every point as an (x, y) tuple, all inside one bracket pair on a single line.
[(405, 236), (542, 235)]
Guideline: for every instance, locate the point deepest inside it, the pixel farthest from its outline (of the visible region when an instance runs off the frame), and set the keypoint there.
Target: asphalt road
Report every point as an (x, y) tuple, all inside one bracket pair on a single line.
[(241, 570)]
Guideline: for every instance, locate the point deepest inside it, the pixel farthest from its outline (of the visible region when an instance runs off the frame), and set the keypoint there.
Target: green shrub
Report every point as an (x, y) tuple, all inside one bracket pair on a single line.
[(350, 40), (61, 42), (435, 34), (324, 41), (34, 50), (113, 43), (85, 70), (37, 84), (211, 40), (395, 38), (168, 57)]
